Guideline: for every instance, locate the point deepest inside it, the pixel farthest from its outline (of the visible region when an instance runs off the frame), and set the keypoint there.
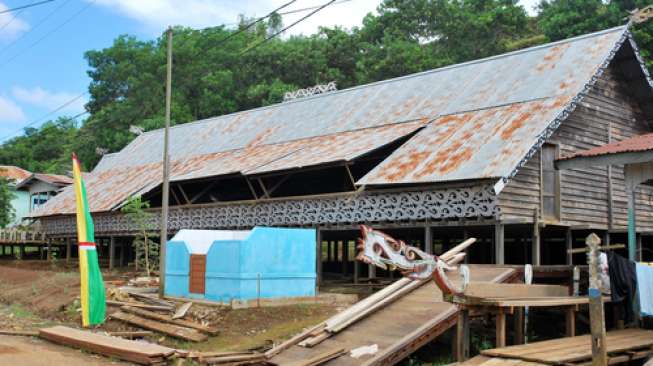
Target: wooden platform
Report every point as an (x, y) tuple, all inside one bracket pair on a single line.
[(398, 329), (623, 346)]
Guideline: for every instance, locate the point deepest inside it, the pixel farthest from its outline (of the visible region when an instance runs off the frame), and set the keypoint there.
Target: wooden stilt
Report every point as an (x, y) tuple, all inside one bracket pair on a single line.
[(68, 249), (428, 239), (345, 257), (570, 322), (500, 329), (499, 244), (518, 319), (112, 252), (569, 244), (597, 317), (462, 335)]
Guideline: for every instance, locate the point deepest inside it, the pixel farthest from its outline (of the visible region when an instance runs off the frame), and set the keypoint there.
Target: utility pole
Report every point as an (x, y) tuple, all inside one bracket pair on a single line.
[(165, 191)]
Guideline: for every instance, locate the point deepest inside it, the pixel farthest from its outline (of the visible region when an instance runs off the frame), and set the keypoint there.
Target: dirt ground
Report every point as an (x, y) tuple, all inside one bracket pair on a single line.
[(35, 294), (36, 352)]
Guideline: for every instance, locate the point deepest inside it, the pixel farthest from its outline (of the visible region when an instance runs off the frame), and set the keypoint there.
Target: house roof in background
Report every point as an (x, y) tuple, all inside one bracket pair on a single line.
[(476, 120), (14, 173), (53, 179), (640, 143)]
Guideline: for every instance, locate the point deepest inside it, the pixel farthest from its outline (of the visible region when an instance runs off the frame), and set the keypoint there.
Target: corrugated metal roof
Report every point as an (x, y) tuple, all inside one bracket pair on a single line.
[(108, 189), (14, 173), (633, 144), (473, 105), (485, 143)]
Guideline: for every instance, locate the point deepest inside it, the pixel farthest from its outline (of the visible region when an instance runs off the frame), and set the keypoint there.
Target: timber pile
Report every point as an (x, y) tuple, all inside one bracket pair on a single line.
[(137, 352), (167, 319), (374, 302), (164, 328)]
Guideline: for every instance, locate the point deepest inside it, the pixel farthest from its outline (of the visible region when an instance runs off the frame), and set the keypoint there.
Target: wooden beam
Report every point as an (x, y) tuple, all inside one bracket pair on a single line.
[(280, 182), (203, 191), (266, 194), (251, 189), (536, 244), (351, 177), (183, 193)]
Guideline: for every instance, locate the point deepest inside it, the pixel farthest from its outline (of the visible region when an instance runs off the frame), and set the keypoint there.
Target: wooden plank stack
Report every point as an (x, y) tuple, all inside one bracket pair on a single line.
[(137, 352), (164, 328)]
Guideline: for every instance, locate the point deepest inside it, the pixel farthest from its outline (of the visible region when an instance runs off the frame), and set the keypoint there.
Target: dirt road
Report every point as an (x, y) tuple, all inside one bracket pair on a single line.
[(30, 351)]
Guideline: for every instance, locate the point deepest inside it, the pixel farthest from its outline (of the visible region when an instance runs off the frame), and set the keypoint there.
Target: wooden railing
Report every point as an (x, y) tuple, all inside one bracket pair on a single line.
[(21, 236)]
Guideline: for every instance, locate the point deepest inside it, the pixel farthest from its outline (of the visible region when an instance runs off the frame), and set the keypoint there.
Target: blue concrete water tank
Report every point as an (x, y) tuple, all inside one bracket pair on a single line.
[(264, 262)]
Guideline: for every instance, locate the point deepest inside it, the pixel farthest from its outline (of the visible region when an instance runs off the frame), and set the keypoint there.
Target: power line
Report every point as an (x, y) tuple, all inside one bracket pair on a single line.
[(257, 44), (40, 22), (25, 6), (45, 116), (301, 10), (250, 25), (14, 17), (61, 25)]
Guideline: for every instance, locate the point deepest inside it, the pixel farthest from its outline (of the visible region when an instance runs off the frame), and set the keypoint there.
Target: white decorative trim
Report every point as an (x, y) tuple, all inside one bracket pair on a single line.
[(367, 207)]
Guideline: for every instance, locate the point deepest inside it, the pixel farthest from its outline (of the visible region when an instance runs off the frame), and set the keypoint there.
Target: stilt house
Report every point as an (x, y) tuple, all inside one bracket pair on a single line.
[(432, 158)]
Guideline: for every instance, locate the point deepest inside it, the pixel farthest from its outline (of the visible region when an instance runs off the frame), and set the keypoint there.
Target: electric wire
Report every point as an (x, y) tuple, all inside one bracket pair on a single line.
[(25, 6)]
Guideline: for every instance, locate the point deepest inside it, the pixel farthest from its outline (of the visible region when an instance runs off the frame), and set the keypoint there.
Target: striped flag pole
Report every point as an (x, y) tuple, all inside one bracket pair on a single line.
[(92, 287)]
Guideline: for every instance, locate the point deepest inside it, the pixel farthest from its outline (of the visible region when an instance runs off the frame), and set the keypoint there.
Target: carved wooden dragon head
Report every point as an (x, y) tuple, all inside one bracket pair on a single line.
[(381, 250)]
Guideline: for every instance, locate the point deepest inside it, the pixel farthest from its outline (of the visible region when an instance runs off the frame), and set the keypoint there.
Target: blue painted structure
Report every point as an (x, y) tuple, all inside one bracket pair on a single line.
[(282, 260)]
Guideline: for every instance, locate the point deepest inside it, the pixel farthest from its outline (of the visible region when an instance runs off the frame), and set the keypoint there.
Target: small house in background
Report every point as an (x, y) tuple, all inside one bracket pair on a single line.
[(20, 201), (228, 265), (41, 187)]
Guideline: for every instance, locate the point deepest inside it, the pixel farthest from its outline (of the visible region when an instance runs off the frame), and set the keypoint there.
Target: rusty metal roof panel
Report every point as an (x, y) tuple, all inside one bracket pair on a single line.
[(480, 144)]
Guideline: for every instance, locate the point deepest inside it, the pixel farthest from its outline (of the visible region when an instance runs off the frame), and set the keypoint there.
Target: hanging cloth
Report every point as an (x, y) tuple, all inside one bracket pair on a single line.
[(645, 289), (623, 285)]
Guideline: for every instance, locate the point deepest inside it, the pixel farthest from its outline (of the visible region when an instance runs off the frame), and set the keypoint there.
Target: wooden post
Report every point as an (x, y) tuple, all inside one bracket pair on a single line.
[(122, 253), (569, 241), (499, 245), (345, 256), (632, 223), (536, 243), (428, 239), (597, 317), (639, 248), (462, 335), (21, 250), (49, 250), (465, 237), (500, 329), (570, 321), (518, 319), (68, 249), (112, 252)]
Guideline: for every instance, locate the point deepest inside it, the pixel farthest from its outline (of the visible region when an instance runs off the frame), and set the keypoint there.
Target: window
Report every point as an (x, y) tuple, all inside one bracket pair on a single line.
[(550, 181)]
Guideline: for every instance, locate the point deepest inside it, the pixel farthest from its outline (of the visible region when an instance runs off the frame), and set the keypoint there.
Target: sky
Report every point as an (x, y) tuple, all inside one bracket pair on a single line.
[(42, 65)]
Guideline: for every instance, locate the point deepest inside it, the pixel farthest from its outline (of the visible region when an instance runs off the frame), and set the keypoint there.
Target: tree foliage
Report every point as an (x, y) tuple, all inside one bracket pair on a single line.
[(212, 76), (7, 212), (147, 250)]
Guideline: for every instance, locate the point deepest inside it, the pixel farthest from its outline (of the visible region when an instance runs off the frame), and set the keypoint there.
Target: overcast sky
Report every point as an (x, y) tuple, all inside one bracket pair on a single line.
[(42, 63)]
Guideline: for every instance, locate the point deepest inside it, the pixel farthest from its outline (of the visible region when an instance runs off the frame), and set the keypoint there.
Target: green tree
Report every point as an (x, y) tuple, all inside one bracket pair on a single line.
[(147, 250), (561, 19), (7, 212)]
